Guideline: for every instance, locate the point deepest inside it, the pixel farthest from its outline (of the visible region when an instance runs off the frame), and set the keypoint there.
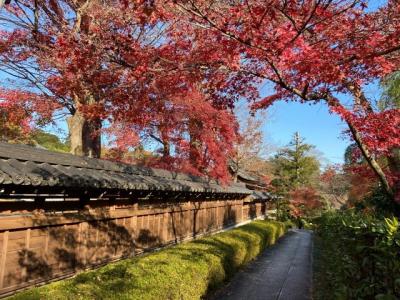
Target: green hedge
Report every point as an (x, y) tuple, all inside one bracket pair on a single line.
[(357, 256), (185, 271)]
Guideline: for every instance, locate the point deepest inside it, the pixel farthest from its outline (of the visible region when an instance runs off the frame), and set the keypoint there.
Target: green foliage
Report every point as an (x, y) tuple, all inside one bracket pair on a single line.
[(380, 203), (294, 166), (391, 92), (49, 141), (308, 224), (283, 210), (357, 257), (186, 271)]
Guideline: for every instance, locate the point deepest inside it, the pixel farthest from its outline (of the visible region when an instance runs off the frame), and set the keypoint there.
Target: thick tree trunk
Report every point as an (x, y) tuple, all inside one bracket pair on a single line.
[(166, 145), (371, 160), (194, 142), (361, 103), (166, 149), (84, 134)]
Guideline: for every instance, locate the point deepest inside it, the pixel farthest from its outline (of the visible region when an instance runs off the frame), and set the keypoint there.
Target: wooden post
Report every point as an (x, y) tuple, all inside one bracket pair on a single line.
[(3, 258), (165, 231)]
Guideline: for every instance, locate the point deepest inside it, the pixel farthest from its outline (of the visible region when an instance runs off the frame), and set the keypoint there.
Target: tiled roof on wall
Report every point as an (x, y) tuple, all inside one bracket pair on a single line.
[(22, 165)]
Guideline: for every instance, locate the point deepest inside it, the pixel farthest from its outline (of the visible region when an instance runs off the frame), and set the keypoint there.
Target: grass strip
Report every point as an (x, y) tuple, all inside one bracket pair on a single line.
[(185, 271)]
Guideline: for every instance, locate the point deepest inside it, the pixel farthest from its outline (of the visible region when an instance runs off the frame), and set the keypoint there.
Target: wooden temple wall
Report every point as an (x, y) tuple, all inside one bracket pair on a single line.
[(55, 239)]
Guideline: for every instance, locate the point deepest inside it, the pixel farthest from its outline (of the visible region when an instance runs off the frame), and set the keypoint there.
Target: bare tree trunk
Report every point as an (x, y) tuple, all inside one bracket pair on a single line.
[(363, 104), (84, 136)]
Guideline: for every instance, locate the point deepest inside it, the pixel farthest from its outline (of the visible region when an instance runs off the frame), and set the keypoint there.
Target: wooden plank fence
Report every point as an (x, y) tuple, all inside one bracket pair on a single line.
[(40, 246), (60, 214)]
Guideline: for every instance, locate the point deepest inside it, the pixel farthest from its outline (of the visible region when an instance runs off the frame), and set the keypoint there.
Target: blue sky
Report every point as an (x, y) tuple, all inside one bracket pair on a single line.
[(314, 123), (374, 4)]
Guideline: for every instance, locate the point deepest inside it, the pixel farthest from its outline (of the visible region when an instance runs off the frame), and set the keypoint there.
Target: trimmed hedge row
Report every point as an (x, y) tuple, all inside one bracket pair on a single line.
[(185, 271), (357, 256)]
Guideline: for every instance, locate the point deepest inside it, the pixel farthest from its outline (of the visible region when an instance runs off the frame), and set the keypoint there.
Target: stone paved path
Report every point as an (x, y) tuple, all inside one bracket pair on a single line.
[(283, 271)]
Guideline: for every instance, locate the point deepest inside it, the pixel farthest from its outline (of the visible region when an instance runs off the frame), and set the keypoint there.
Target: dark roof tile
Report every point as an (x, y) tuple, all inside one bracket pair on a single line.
[(26, 165)]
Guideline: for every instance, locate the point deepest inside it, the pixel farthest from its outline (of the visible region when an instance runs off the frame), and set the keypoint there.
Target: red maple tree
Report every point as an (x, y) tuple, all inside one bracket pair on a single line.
[(304, 202), (124, 64), (311, 51), (136, 65)]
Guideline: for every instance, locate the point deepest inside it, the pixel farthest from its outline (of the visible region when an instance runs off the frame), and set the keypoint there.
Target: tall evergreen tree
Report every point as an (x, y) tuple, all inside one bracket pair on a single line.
[(294, 165)]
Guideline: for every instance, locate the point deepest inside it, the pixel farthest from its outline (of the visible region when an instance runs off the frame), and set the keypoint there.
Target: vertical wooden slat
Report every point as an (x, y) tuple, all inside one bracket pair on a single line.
[(46, 242), (152, 219), (165, 230), (201, 220), (86, 242), (206, 218), (79, 248), (176, 220), (134, 227), (3, 258), (151, 223), (170, 226), (97, 244), (209, 218), (28, 238), (146, 220), (215, 218), (158, 225), (64, 229), (27, 246), (241, 212), (189, 223), (125, 247)]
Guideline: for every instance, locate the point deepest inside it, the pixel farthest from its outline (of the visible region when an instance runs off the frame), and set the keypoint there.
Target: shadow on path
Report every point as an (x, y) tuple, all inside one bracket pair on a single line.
[(283, 271)]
